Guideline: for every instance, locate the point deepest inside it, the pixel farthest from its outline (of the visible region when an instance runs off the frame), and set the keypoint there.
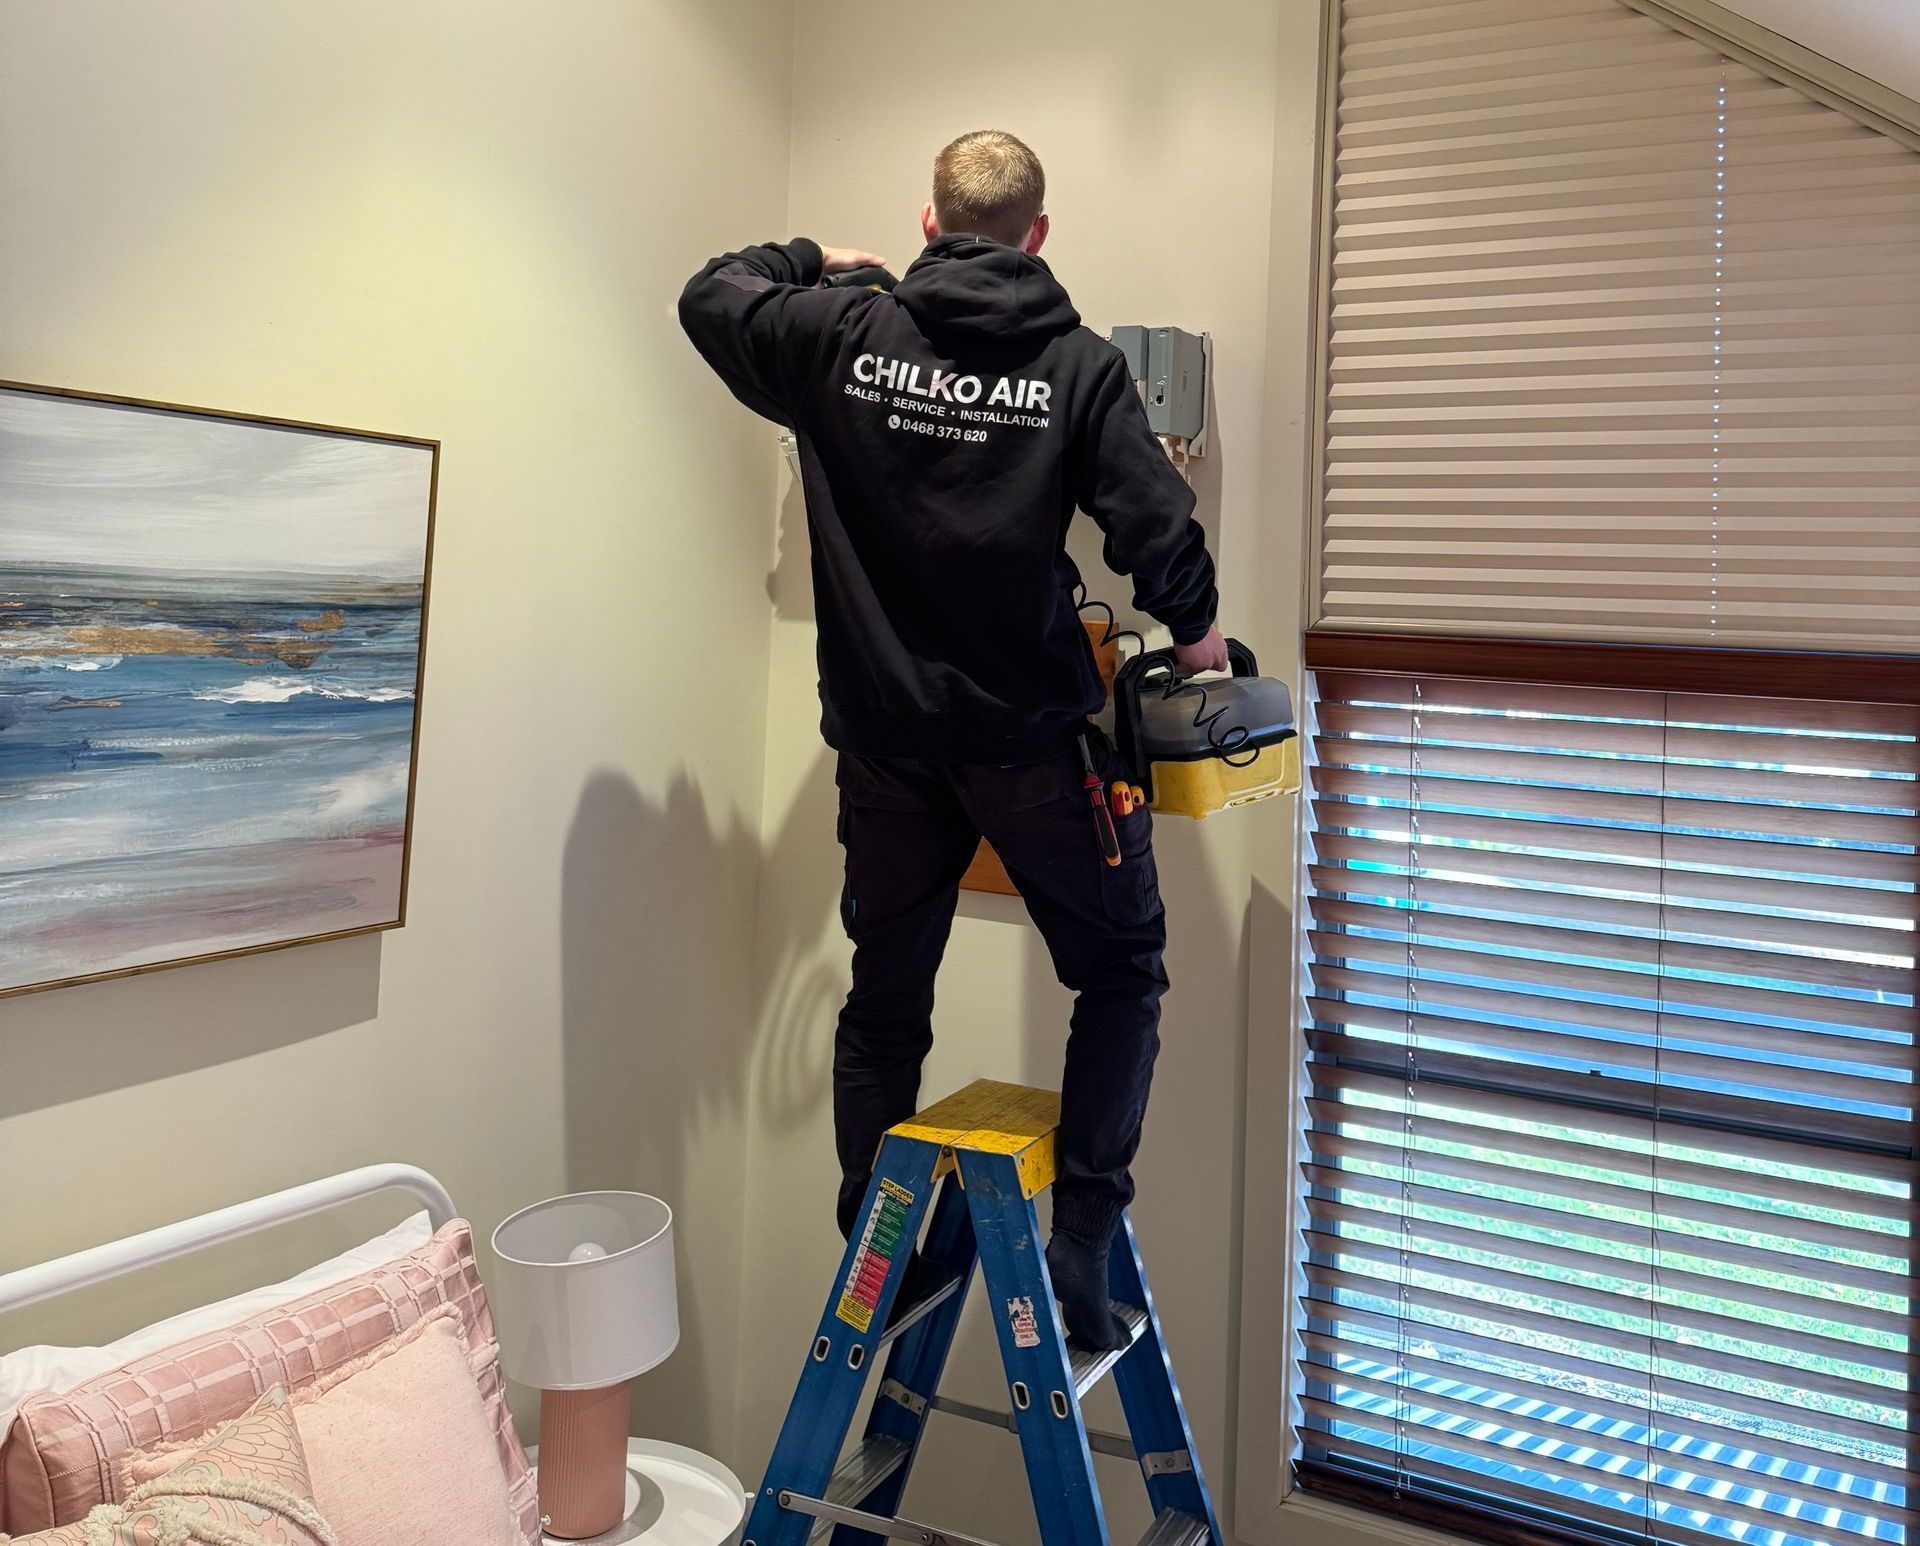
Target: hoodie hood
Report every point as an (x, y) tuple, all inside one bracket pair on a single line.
[(979, 289)]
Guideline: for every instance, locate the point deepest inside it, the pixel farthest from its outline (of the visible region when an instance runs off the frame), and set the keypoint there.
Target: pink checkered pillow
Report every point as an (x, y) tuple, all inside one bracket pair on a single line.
[(245, 1484), (63, 1457)]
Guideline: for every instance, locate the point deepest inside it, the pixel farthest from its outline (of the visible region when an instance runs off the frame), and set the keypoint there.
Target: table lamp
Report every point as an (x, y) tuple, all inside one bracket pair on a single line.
[(586, 1304)]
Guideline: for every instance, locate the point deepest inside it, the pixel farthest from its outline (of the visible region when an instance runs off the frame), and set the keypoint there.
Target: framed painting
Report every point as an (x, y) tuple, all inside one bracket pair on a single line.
[(212, 628)]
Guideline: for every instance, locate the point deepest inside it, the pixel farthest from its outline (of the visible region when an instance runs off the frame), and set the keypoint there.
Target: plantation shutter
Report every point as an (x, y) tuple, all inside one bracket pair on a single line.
[(1623, 343), (1610, 1171)]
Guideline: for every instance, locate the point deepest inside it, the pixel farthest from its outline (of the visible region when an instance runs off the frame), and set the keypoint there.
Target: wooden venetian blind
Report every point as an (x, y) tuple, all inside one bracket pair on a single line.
[(1623, 339), (1610, 1153)]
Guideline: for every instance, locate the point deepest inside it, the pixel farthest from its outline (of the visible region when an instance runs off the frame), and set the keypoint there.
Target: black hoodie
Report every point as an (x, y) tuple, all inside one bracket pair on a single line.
[(947, 432)]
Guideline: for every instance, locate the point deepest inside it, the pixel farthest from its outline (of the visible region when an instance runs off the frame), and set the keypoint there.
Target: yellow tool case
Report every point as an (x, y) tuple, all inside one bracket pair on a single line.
[(1199, 747)]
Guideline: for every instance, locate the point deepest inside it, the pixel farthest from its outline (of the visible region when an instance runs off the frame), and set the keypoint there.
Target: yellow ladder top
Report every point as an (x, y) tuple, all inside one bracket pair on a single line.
[(994, 1118)]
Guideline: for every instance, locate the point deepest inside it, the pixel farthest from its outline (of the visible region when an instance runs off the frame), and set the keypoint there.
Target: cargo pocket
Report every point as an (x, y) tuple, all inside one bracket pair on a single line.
[(1130, 889), (843, 830), (866, 787), (880, 786)]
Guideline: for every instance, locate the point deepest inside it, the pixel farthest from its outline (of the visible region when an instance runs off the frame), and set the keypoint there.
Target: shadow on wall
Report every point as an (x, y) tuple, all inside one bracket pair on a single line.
[(802, 975), (790, 581), (646, 1067), (649, 1071), (74, 1043)]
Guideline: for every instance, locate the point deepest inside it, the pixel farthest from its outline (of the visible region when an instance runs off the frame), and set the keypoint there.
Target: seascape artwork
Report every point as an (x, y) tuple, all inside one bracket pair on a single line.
[(210, 653)]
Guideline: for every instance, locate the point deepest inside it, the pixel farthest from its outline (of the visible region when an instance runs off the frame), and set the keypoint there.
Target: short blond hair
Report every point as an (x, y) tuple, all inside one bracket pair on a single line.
[(989, 184)]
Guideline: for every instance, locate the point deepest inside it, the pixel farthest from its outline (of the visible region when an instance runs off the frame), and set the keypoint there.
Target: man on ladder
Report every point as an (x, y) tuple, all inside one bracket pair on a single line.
[(947, 431)]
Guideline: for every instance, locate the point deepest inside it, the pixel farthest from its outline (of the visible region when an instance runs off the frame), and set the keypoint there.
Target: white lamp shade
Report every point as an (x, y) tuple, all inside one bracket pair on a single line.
[(570, 1319)]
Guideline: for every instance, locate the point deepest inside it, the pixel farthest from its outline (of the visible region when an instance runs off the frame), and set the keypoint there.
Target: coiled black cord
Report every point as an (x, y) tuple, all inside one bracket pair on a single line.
[(1225, 744), (1111, 631)]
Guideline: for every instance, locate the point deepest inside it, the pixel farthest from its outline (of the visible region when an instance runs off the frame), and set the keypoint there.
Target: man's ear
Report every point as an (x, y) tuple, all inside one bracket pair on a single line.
[(929, 226), (1036, 237)]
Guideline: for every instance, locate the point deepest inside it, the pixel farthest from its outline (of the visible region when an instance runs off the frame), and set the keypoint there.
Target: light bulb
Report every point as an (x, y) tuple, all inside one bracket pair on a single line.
[(587, 1250)]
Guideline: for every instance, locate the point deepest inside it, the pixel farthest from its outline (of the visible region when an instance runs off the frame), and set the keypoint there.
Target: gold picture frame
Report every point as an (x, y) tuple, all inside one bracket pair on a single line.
[(237, 627)]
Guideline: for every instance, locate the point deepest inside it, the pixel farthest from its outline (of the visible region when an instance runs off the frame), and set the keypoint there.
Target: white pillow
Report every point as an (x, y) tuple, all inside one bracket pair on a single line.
[(55, 1370)]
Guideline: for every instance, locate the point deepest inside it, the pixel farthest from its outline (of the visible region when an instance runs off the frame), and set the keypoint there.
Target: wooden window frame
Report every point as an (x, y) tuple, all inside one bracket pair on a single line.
[(1827, 678)]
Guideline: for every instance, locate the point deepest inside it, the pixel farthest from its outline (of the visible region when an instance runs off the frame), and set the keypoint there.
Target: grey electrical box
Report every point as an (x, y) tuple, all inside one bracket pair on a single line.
[(1170, 366), (1132, 342)]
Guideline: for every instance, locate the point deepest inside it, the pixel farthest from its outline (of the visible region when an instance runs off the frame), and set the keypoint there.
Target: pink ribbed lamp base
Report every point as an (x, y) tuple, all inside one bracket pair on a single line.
[(583, 1460)]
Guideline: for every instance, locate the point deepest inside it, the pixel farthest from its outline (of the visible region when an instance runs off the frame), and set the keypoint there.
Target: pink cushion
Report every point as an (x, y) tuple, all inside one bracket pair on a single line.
[(431, 1471), (62, 1456), (398, 1443), (245, 1484)]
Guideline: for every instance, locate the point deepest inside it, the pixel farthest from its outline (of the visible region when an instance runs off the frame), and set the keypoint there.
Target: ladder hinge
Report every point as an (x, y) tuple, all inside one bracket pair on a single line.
[(1166, 1462), (893, 1390)]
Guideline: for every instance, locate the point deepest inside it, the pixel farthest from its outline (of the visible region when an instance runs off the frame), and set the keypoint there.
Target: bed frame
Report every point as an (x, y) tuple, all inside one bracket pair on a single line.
[(116, 1258)]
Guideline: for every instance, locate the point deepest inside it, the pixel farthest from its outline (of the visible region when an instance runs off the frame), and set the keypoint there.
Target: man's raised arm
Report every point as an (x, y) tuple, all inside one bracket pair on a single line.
[(758, 320)]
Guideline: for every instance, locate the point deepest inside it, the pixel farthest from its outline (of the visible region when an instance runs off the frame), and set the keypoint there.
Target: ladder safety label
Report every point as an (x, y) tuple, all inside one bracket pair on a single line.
[(1020, 1316), (886, 1222)]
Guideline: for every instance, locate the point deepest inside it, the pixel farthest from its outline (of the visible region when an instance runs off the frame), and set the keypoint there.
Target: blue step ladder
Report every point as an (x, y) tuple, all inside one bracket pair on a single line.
[(965, 1172)]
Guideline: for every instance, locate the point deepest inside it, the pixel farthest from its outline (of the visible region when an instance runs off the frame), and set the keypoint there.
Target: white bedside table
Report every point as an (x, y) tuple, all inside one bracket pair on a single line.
[(675, 1497)]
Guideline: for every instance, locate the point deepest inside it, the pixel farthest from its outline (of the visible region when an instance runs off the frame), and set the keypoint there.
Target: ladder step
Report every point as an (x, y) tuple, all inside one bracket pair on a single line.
[(1089, 1367), (1099, 1441), (866, 1468), (856, 1478), (908, 1316), (892, 1526), (1171, 1527)]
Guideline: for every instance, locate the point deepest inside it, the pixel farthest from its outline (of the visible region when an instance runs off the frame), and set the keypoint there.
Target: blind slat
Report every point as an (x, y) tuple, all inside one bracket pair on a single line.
[(1481, 1410), (1534, 1467), (1524, 1324), (1877, 1185), (1783, 1349), (1828, 1042), (1866, 834), (1737, 1183), (1499, 1378), (1678, 995), (1637, 1197), (1366, 1191), (1732, 1405)]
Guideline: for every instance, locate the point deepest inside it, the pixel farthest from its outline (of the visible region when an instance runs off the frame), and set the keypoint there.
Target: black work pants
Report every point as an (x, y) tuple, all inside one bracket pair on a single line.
[(910, 829)]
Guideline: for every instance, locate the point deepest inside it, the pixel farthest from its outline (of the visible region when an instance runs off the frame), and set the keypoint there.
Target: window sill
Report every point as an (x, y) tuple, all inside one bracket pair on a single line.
[(1303, 1519)]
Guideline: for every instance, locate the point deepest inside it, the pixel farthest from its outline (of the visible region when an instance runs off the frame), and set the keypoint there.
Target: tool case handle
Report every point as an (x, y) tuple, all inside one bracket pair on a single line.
[(1127, 683)]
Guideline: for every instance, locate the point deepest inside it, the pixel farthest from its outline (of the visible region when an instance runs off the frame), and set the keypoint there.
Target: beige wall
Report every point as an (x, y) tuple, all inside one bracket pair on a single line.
[(463, 220), (469, 221), (1157, 128)]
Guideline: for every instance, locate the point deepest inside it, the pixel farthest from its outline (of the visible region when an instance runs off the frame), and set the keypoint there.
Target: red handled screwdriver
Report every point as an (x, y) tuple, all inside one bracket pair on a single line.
[(1096, 788)]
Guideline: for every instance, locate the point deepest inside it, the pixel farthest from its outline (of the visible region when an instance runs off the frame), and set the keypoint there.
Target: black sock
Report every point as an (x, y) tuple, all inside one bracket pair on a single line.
[(1078, 1268)]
